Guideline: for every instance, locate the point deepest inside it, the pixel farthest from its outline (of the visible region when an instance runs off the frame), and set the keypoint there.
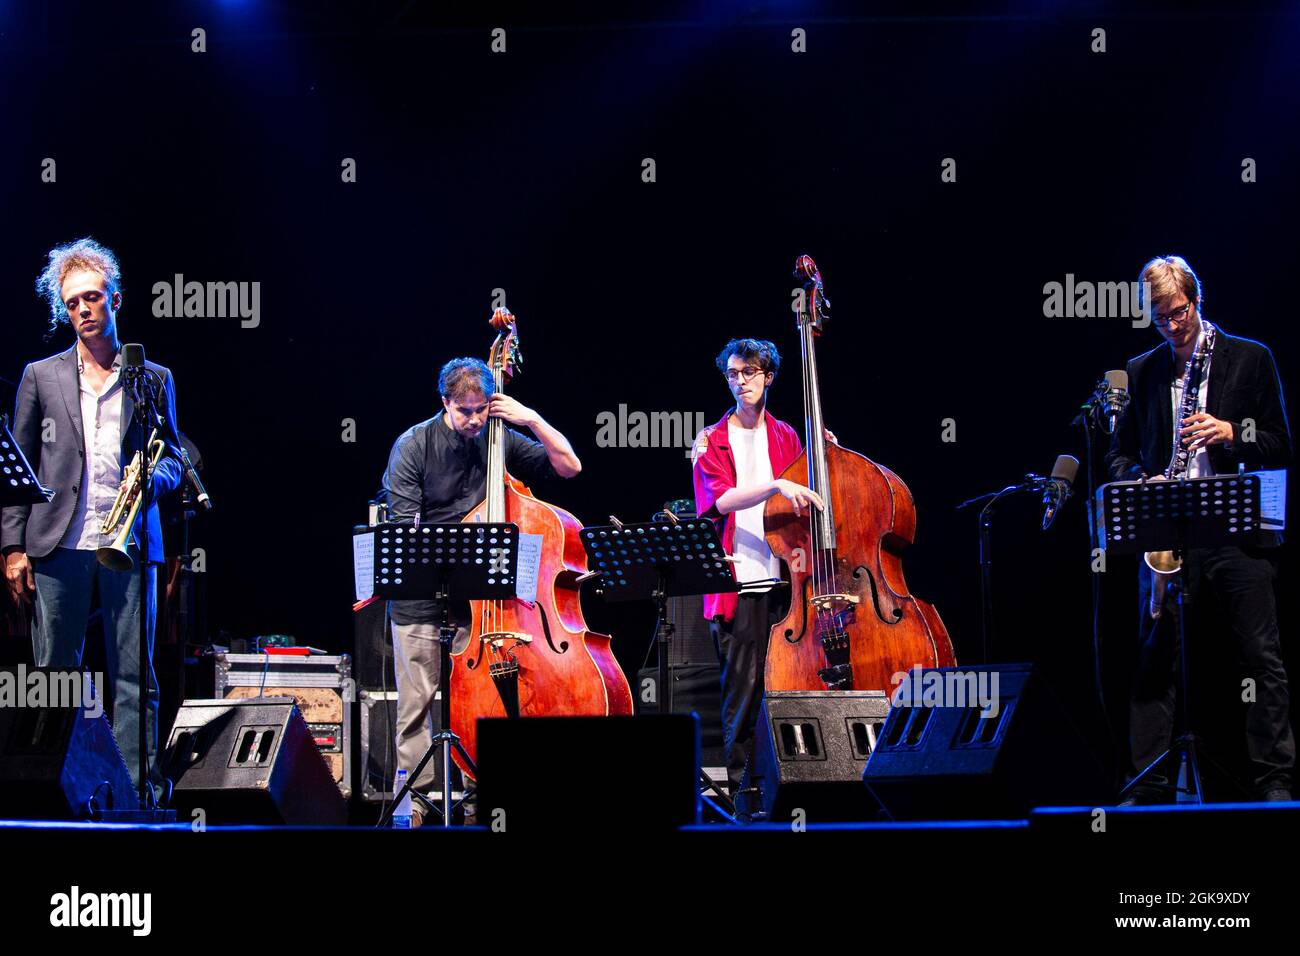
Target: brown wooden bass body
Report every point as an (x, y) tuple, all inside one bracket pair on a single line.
[(565, 670), (852, 624), (530, 659), (889, 629)]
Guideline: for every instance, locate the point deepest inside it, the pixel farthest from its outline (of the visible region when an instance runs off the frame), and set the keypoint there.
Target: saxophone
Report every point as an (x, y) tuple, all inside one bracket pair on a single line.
[(1165, 564)]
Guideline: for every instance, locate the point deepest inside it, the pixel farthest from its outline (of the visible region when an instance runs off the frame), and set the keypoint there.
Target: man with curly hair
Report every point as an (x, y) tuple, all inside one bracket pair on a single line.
[(73, 421), (736, 466)]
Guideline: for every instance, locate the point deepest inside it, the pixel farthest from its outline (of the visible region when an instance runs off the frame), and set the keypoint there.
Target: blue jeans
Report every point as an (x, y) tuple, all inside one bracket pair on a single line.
[(65, 582)]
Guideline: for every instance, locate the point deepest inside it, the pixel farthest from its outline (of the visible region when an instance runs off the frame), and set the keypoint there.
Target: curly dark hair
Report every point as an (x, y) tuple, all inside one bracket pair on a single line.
[(759, 351), (461, 376)]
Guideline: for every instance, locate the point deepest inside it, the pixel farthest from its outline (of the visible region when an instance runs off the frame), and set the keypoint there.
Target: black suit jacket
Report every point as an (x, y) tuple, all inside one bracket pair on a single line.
[(50, 392), (1244, 384)]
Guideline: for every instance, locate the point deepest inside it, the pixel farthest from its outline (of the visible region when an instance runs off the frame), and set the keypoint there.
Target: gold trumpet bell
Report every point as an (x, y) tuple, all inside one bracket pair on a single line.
[(1163, 562), (114, 556)]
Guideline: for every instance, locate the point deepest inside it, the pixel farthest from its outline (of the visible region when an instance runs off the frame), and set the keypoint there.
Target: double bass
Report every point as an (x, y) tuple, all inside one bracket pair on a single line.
[(530, 659), (852, 624)]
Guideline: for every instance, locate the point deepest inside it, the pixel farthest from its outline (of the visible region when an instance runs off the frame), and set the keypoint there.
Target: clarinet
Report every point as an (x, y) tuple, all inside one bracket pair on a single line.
[(1181, 457), (1165, 564)]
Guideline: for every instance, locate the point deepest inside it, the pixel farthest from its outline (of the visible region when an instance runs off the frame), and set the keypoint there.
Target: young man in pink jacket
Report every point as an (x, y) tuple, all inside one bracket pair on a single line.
[(736, 467)]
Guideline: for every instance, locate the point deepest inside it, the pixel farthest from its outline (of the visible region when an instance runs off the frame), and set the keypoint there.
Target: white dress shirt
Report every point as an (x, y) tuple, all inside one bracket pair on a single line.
[(101, 468)]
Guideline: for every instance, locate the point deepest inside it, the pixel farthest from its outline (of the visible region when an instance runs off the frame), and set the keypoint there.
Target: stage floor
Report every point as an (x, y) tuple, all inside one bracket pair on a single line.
[(1081, 869)]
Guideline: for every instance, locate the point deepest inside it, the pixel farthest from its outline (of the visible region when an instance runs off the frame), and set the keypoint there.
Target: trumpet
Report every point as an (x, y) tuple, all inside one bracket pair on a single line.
[(114, 556)]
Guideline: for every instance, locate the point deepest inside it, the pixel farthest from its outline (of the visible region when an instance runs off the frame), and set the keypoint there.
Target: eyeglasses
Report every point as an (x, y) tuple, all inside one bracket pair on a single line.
[(1162, 320), (748, 372)]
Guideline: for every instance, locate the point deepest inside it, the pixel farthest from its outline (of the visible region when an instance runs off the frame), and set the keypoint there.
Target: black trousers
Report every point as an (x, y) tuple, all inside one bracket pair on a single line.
[(1238, 584), (742, 652)]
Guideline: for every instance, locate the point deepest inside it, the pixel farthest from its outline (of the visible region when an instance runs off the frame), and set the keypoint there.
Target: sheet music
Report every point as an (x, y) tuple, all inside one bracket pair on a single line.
[(530, 561), (1272, 498), (363, 564)]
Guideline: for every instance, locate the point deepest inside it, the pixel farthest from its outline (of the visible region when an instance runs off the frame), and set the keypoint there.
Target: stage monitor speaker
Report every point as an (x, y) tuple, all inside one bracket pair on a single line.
[(692, 643), (696, 690), (373, 652), (556, 775), (57, 761), (810, 748), (378, 744), (981, 742), (250, 761), (692, 640)]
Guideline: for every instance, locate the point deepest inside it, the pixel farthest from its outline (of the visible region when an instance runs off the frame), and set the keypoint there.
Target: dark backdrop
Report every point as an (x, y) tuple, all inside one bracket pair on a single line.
[(523, 171)]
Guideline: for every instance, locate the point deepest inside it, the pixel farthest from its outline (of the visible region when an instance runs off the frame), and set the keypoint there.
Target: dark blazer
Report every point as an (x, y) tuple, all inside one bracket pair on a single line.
[(49, 390), (1243, 384)]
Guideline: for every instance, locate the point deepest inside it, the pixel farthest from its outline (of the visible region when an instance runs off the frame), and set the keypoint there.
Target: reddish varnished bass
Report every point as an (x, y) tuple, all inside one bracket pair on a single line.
[(852, 624), (531, 660)]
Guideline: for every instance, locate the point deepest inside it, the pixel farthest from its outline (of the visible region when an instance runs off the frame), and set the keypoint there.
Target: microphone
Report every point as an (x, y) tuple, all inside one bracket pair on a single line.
[(1059, 487), (1114, 399), (133, 369), (133, 359), (195, 481)]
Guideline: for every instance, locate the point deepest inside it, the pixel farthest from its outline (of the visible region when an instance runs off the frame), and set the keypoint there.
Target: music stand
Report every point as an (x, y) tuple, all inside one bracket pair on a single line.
[(654, 560), (1134, 517), (18, 483), (476, 561)]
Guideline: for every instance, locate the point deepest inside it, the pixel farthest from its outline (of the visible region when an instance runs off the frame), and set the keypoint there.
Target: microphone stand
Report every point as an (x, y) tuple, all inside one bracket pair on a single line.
[(142, 395), (1089, 418), (187, 603), (1033, 483)]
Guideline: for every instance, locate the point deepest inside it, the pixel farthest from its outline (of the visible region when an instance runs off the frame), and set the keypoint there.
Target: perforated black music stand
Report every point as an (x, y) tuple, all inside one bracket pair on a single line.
[(654, 560), (18, 483), (1138, 516), (1134, 517), (476, 561)]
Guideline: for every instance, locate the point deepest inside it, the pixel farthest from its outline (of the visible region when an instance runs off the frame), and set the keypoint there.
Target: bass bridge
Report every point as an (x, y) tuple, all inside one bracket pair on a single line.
[(505, 642), (834, 613), (830, 602), (505, 670)]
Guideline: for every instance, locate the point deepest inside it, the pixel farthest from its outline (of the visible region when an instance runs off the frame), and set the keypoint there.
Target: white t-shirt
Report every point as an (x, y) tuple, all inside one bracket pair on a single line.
[(755, 561), (1199, 466)]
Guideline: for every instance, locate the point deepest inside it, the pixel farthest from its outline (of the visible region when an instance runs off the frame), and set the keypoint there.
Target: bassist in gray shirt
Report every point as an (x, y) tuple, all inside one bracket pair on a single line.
[(437, 471)]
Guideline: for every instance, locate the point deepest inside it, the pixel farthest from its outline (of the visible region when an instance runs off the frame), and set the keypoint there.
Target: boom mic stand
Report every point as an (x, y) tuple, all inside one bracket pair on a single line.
[(1032, 483), (1091, 419), (189, 622), (142, 391)]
